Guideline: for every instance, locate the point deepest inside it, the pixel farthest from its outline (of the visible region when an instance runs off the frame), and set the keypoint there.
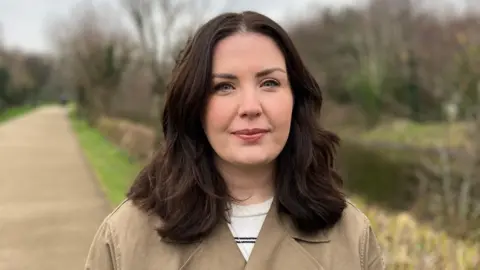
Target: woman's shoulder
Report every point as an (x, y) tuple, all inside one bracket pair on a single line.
[(353, 214), (127, 221), (354, 224), (125, 236), (126, 210), (357, 225)]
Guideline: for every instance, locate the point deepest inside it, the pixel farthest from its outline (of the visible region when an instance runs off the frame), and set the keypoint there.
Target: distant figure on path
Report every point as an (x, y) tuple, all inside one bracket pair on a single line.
[(63, 100), (246, 177)]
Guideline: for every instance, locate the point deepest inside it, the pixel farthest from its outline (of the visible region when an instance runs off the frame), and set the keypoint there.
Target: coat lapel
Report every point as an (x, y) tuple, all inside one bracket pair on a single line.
[(217, 252), (277, 247)]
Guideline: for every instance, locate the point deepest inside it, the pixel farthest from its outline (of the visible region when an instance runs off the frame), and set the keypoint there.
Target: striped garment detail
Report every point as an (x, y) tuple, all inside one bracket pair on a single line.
[(245, 240)]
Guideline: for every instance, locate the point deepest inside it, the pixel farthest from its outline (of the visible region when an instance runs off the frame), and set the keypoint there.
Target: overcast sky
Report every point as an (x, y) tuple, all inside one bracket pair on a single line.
[(24, 22)]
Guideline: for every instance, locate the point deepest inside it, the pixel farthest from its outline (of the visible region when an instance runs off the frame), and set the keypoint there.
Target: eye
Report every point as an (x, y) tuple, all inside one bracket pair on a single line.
[(222, 87), (270, 83)]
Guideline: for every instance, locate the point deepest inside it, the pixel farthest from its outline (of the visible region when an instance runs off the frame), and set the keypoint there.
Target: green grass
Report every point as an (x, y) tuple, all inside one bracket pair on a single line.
[(423, 135), (14, 112), (417, 135), (111, 165)]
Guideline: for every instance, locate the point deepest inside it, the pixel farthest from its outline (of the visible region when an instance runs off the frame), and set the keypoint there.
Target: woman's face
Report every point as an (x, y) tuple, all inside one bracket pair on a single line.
[(247, 120)]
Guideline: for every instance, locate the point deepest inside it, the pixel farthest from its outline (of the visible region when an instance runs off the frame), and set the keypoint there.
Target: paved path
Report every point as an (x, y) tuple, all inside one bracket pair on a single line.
[(50, 204)]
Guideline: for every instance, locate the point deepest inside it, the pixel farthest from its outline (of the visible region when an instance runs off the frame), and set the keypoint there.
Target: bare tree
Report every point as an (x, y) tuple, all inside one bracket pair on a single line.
[(450, 186), (96, 52), (380, 45), (162, 26)]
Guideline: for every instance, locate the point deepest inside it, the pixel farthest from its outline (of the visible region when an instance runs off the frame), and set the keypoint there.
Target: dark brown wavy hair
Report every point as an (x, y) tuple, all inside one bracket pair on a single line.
[(181, 184)]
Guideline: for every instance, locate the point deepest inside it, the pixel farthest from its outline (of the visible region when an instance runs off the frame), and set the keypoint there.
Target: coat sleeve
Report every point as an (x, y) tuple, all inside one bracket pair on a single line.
[(370, 251), (102, 254)]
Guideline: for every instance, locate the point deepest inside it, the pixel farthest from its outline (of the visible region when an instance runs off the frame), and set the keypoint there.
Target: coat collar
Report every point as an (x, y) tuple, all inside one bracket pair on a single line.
[(287, 223), (277, 247)]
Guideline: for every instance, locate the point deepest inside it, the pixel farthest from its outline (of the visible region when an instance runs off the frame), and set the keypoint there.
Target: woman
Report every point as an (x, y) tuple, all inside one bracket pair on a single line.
[(246, 178)]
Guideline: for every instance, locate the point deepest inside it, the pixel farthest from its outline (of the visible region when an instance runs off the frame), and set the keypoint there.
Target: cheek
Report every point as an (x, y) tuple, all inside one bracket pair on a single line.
[(217, 117), (280, 110), (282, 120)]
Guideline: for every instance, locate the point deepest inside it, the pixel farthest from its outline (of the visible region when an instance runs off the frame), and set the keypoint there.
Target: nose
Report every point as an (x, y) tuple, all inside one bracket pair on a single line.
[(250, 105)]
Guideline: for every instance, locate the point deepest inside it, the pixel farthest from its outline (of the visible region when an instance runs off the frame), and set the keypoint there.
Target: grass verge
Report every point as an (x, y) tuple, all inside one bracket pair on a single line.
[(111, 165), (11, 113)]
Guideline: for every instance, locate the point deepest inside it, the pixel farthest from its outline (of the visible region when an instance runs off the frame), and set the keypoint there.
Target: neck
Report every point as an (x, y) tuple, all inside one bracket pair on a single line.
[(248, 184)]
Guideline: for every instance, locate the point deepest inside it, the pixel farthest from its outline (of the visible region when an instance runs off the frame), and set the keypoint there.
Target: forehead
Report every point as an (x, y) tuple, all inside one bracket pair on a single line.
[(250, 51)]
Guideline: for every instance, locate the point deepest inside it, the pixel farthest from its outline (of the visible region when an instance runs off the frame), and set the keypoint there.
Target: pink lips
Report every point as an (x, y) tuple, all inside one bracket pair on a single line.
[(250, 135)]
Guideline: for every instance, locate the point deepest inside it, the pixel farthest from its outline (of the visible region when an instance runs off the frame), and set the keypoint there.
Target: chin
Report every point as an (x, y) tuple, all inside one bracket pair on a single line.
[(253, 161)]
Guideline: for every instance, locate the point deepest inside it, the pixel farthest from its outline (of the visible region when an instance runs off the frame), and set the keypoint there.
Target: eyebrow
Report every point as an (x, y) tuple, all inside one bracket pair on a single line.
[(257, 75)]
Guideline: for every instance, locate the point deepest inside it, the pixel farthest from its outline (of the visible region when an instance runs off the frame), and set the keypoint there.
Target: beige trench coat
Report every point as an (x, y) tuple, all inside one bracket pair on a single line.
[(127, 240)]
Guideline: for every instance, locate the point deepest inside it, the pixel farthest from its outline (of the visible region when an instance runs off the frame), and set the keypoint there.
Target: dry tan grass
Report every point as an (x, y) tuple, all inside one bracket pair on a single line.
[(136, 139), (408, 244)]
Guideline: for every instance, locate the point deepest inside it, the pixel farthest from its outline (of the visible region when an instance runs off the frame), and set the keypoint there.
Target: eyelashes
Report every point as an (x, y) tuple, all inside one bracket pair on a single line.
[(225, 86), (273, 82), (222, 87)]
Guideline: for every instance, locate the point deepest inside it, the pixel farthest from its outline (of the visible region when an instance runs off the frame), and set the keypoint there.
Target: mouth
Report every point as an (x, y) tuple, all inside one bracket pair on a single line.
[(250, 135)]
